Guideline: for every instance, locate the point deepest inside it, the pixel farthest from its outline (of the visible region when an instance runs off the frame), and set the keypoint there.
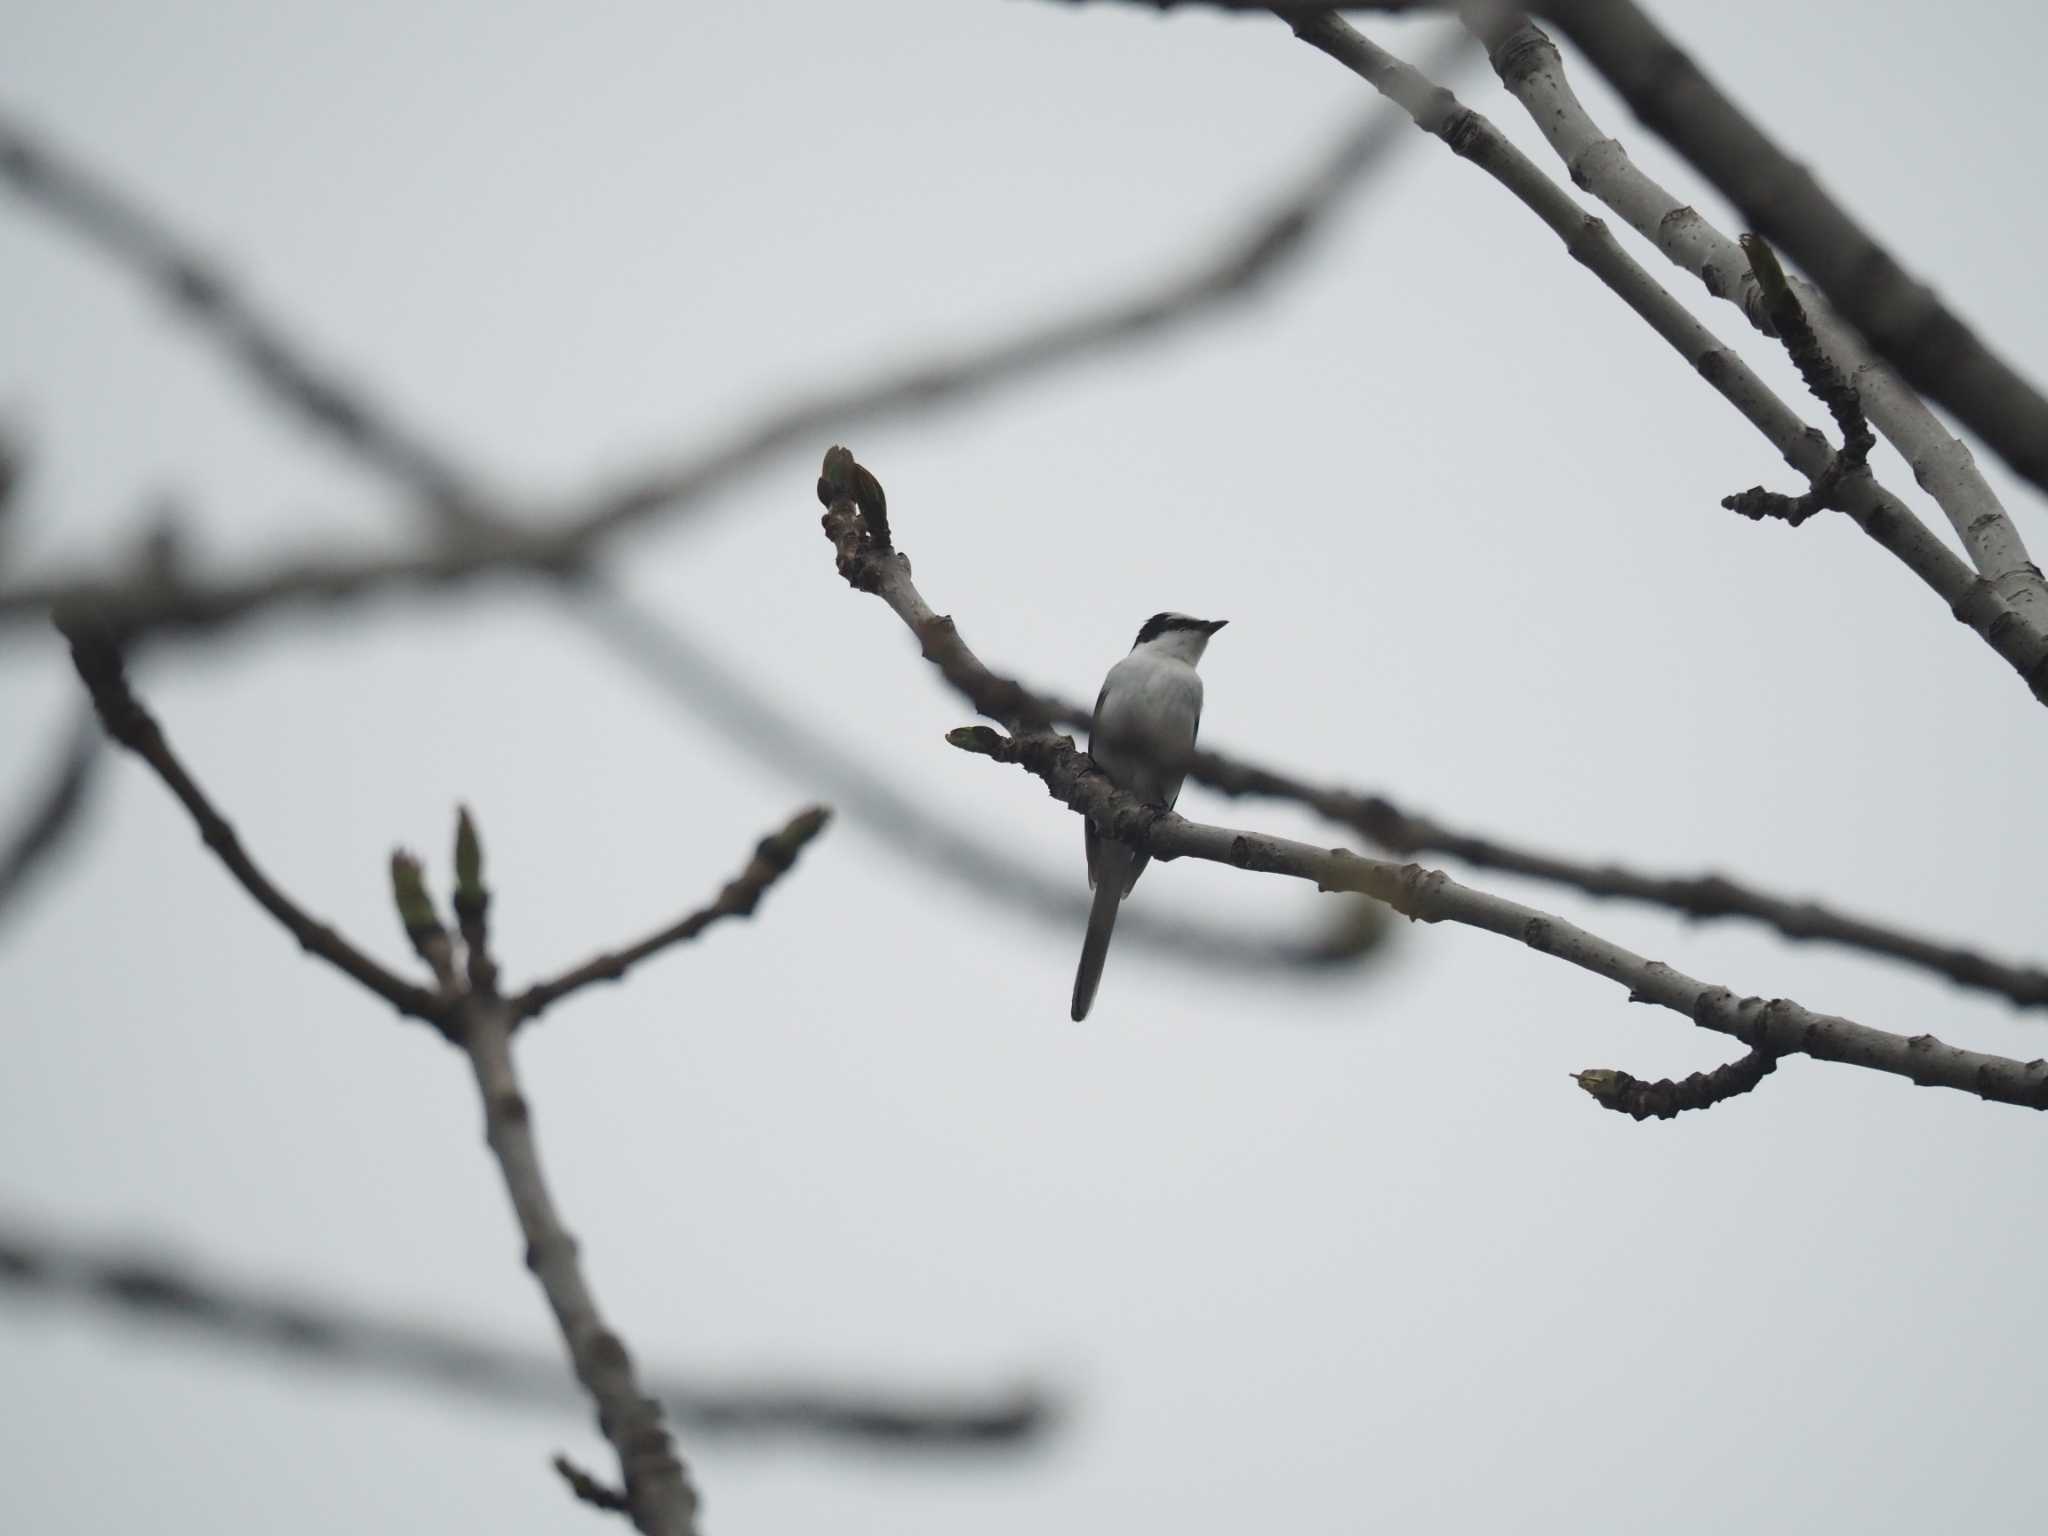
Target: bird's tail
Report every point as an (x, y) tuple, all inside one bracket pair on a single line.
[(1109, 895)]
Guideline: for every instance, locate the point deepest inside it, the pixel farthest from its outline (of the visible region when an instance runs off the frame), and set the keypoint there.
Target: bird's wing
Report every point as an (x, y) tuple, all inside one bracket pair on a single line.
[(1194, 736), (1090, 838)]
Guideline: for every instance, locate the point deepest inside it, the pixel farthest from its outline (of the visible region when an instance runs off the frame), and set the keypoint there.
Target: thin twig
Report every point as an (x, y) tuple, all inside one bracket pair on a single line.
[(1695, 896), (130, 1281), (55, 812), (867, 567), (773, 858), (100, 668), (1427, 895), (1669, 1097), (589, 1489), (122, 228), (1824, 380), (1533, 71)]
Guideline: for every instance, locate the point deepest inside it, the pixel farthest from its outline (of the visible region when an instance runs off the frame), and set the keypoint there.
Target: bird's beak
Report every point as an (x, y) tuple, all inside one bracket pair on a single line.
[(1216, 624)]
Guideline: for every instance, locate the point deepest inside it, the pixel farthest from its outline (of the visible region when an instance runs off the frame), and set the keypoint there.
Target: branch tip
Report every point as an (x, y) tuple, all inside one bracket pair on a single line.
[(1668, 1097), (469, 856), (982, 740), (774, 856), (409, 895), (590, 1489)]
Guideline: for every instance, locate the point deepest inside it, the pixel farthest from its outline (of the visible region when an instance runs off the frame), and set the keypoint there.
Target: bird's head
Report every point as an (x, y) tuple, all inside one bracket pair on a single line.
[(1177, 635)]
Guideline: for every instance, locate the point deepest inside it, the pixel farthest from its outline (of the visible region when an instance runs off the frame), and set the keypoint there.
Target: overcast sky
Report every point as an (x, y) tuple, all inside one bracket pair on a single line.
[(1304, 1254)]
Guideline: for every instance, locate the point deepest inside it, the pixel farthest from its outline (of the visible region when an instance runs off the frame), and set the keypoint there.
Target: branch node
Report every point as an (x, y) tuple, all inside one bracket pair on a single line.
[(1823, 379)]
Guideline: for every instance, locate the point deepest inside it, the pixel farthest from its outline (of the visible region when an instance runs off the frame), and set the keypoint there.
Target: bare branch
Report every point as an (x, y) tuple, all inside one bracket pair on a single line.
[(1426, 895), (121, 228), (774, 856), (2020, 642), (1530, 66), (100, 668), (55, 812), (1666, 1098), (126, 1280), (1780, 1026), (1696, 896), (152, 605)]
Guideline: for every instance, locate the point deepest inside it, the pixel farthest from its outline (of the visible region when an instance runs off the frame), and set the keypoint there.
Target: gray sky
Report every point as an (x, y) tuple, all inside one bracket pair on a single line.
[(1311, 1255)]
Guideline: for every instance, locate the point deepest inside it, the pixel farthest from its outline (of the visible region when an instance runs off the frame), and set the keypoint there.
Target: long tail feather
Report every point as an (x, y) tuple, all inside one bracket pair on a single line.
[(1109, 895)]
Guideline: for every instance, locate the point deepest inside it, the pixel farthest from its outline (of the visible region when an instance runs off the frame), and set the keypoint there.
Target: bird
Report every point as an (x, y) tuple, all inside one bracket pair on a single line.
[(1144, 726)]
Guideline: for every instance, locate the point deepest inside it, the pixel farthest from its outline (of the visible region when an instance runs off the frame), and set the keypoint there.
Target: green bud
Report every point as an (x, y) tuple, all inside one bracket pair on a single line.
[(469, 854), (1601, 1082), (409, 892)]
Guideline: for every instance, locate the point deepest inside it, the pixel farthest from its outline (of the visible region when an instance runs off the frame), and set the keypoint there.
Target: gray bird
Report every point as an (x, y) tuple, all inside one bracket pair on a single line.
[(1146, 716)]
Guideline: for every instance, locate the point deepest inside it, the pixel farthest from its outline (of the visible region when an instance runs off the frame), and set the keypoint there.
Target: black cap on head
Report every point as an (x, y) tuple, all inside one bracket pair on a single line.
[(1160, 623)]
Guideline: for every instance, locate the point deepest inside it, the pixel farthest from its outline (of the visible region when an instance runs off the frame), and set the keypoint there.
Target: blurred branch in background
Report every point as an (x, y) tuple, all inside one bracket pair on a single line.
[(102, 670), (54, 809), (2016, 639), (154, 1289), (869, 561), (478, 536)]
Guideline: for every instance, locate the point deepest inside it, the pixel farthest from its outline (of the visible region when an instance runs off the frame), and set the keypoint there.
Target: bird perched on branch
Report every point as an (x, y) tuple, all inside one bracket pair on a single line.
[(1145, 722)]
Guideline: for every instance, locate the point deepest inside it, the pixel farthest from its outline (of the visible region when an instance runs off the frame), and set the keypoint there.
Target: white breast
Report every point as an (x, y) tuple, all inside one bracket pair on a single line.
[(1150, 707)]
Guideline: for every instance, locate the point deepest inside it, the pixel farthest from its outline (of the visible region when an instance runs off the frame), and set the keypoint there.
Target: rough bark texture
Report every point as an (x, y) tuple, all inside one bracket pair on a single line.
[(658, 1490), (1779, 1026)]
